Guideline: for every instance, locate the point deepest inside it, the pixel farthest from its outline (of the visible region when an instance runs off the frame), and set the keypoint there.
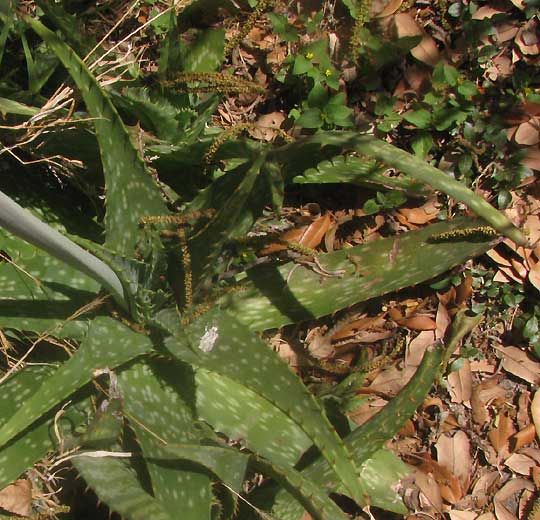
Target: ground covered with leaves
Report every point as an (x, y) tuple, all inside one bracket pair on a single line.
[(463, 94), (455, 83)]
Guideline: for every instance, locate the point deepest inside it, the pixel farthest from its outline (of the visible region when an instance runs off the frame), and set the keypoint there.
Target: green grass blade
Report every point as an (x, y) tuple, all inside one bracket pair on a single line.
[(221, 344), (276, 296), (131, 191), (107, 345)]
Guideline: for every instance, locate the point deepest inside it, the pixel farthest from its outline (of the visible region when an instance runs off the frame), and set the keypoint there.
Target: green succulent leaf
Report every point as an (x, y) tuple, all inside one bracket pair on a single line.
[(69, 25), (250, 422), (10, 106), (361, 171), (107, 345), (276, 296), (160, 416), (306, 492), (366, 441), (39, 292), (26, 449), (206, 53), (220, 343), (131, 192), (417, 169), (117, 484), (230, 196)]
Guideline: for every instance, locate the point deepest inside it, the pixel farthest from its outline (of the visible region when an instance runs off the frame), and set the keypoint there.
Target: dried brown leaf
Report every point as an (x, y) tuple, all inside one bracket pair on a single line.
[(267, 125), (500, 434), (520, 463), (449, 485), (426, 51), (316, 231), (482, 491), (523, 437), (431, 492), (460, 383), (454, 454), (17, 497), (516, 362), (505, 499), (535, 412), (417, 347), (483, 395), (527, 133), (532, 158), (418, 322), (486, 11), (462, 515)]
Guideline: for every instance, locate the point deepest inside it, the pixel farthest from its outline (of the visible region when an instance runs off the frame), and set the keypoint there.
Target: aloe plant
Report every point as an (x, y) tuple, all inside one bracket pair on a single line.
[(180, 361)]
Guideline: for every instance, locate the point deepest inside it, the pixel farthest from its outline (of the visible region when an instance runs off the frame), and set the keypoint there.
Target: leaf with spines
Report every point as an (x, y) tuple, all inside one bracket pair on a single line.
[(117, 484), (262, 428), (220, 343), (306, 492), (367, 439), (39, 292), (107, 345), (131, 192), (36, 441), (361, 171), (230, 195), (410, 165), (276, 296), (154, 394)]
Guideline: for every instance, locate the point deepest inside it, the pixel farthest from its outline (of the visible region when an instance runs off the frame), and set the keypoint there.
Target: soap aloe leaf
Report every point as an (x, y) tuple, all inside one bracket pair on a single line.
[(252, 421), (107, 345), (116, 483), (366, 440), (219, 343), (276, 296), (160, 416), (131, 192), (39, 439), (414, 167), (361, 171)]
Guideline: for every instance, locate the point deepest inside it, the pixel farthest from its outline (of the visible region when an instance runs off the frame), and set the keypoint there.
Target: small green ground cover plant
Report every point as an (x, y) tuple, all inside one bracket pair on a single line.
[(167, 399)]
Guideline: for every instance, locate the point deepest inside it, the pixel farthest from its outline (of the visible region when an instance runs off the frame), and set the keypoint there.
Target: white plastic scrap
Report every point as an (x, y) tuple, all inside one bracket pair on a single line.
[(208, 339)]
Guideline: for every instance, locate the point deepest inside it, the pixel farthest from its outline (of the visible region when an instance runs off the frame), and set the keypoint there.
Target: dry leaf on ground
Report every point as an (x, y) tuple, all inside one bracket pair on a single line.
[(460, 384), (17, 497), (500, 434), (454, 454), (516, 362)]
